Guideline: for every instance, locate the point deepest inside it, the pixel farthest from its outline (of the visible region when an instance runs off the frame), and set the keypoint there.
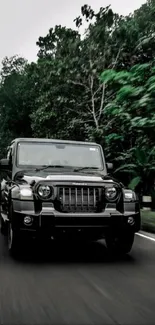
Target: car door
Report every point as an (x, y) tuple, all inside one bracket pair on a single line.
[(5, 184)]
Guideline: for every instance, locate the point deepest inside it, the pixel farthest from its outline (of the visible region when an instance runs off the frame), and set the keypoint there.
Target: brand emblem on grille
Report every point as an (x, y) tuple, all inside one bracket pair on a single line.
[(83, 184)]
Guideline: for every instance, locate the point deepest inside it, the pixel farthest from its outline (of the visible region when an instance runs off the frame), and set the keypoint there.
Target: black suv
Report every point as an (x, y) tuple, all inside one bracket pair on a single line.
[(58, 189)]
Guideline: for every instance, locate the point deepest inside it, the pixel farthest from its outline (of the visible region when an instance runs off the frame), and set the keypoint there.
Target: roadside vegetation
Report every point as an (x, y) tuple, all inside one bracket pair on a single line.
[(148, 221), (96, 87)]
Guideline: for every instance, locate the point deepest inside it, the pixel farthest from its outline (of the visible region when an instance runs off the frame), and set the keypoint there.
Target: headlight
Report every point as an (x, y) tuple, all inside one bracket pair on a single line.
[(44, 191), (129, 195), (111, 193)]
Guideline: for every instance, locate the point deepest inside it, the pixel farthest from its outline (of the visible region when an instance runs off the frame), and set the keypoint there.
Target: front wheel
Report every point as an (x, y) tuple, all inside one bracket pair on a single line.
[(121, 243), (13, 241), (3, 226)]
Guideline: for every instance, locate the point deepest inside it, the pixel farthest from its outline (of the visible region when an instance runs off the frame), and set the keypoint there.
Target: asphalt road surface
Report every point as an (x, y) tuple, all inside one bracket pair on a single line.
[(87, 287)]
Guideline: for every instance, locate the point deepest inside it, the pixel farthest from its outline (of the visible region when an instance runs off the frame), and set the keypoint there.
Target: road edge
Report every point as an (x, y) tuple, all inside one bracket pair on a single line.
[(146, 235)]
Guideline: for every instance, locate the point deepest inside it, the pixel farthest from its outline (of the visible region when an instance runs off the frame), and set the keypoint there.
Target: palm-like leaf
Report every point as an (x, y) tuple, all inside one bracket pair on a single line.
[(128, 167), (134, 182)]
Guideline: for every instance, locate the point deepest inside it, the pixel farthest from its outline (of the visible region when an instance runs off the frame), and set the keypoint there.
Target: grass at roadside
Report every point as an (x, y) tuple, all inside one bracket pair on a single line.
[(148, 221)]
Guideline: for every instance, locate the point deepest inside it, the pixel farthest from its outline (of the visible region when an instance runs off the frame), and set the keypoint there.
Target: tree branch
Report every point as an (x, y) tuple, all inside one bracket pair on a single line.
[(99, 88), (103, 86), (92, 100), (113, 65), (113, 94), (102, 100), (87, 121), (117, 57), (76, 83)]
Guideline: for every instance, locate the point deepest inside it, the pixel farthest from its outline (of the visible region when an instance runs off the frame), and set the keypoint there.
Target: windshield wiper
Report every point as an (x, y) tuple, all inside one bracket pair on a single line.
[(48, 166), (82, 168)]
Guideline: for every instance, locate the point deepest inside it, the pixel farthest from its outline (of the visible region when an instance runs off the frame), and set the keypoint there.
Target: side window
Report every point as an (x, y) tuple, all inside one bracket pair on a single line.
[(9, 153)]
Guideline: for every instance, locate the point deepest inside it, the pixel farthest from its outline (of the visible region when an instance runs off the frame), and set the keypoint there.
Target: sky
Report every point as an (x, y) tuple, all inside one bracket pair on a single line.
[(23, 21)]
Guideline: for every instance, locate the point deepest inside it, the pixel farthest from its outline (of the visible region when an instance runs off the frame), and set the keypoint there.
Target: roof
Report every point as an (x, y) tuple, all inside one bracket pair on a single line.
[(51, 140)]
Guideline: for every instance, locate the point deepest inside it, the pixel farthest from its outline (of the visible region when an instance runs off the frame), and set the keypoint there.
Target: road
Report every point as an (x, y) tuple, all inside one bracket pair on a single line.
[(85, 288)]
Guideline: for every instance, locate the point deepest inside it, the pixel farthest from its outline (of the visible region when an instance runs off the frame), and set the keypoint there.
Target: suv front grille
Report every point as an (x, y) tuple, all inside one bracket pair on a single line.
[(80, 199)]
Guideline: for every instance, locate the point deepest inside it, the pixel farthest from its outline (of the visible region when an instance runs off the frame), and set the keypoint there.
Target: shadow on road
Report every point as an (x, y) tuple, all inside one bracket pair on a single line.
[(70, 253)]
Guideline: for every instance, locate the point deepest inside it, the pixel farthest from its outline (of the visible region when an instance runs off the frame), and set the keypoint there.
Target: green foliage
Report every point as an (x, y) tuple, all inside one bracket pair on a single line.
[(142, 168), (148, 221), (99, 87), (134, 182)]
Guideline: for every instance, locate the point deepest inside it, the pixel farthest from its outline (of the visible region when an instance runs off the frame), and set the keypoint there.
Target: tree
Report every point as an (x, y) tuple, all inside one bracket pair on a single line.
[(14, 110), (57, 102), (142, 170), (132, 117), (98, 87)]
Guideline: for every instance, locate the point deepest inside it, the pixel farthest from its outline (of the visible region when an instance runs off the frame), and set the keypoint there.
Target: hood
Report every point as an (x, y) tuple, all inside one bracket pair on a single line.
[(68, 177)]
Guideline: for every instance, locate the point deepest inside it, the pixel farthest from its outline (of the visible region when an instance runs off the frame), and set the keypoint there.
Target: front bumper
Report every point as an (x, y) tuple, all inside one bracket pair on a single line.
[(51, 223)]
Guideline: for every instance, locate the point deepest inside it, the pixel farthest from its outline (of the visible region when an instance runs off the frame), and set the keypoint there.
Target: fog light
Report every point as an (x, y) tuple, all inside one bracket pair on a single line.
[(28, 220), (131, 221)]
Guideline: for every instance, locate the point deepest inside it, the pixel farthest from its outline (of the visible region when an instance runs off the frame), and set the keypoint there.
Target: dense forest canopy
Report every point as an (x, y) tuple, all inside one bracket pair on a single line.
[(100, 87)]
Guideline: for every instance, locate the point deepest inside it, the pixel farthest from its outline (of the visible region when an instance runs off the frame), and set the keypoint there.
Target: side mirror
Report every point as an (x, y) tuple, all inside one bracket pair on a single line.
[(109, 166), (4, 164)]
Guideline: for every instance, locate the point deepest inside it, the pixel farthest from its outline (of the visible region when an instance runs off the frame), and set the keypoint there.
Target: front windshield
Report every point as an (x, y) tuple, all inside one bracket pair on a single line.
[(66, 155)]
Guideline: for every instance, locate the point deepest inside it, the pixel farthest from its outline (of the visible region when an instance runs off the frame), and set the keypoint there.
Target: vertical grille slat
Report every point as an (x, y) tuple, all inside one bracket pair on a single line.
[(79, 198), (63, 197), (82, 197), (94, 197), (76, 197), (88, 196), (70, 197)]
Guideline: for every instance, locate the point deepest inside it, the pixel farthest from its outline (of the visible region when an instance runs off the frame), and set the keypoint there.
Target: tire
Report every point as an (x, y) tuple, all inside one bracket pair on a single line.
[(13, 242), (3, 226), (120, 244)]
